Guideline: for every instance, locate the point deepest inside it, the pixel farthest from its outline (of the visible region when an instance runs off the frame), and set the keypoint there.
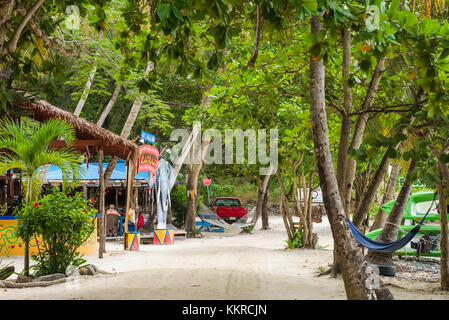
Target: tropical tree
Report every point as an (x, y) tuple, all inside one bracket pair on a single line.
[(27, 146)]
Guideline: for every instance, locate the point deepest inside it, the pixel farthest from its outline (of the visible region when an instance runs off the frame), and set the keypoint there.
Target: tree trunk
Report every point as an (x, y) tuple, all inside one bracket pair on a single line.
[(193, 171), (261, 194), (300, 198), (310, 242), (265, 225), (390, 231), (6, 10), (444, 245), (252, 60), (285, 209), (360, 280), (82, 101), (11, 45), (109, 106), (381, 216), (359, 131), (352, 163), (345, 131), (364, 205)]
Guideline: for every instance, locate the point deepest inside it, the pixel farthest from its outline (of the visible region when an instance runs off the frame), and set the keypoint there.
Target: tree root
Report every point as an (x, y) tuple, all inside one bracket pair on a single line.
[(332, 271), (11, 284)]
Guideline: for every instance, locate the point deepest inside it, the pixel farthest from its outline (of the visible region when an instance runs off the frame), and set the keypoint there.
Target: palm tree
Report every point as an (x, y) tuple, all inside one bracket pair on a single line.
[(28, 148)]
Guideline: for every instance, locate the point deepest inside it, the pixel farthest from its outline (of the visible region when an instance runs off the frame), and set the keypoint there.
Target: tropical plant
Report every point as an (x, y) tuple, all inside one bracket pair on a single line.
[(29, 148), (296, 242), (178, 198), (248, 229), (60, 224), (195, 233), (6, 270)]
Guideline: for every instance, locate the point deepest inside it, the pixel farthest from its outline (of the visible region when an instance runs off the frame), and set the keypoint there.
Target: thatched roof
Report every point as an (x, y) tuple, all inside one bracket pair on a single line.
[(113, 144)]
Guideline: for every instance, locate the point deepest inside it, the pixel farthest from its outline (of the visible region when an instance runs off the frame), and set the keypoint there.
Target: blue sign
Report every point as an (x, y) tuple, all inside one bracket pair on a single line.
[(151, 138)]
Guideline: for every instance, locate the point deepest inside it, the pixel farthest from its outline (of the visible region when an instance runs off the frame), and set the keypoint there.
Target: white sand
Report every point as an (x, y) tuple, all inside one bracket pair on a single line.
[(219, 266)]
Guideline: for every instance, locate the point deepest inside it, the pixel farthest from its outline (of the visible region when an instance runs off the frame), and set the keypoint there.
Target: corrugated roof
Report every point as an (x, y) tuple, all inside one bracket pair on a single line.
[(91, 173)]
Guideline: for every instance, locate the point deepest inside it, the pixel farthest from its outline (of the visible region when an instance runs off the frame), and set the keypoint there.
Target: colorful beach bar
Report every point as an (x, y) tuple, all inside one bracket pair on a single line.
[(12, 245)]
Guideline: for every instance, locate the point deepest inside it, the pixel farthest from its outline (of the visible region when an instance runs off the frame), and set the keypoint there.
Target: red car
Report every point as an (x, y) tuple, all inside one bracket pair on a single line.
[(230, 209)]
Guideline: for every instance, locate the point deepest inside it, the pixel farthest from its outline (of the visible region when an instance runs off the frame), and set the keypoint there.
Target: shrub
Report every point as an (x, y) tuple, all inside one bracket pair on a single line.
[(296, 242), (179, 202), (64, 224)]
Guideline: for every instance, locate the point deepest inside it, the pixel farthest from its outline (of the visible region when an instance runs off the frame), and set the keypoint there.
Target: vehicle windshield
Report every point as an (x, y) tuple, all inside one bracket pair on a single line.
[(227, 203)]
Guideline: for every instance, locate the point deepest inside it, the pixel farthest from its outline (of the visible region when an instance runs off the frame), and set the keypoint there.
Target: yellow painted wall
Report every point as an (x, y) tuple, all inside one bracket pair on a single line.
[(12, 245)]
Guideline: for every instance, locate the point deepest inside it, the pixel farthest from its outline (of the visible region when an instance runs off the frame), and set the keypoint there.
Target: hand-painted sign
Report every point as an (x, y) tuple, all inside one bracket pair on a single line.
[(207, 181), (148, 159), (148, 137)]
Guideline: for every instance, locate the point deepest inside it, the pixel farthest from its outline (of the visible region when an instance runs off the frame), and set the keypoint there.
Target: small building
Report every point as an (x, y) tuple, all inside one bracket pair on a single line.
[(115, 190), (90, 140)]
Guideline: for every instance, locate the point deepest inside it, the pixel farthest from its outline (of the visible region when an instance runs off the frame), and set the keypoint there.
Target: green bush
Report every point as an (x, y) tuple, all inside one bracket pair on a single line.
[(296, 242), (64, 223), (179, 203), (218, 190)]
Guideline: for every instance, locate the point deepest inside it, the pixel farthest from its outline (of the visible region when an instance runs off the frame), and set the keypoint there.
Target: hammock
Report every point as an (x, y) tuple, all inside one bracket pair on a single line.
[(387, 246)]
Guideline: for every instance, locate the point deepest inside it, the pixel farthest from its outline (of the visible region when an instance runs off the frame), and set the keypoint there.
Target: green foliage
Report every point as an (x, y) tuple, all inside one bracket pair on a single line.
[(248, 229), (179, 203), (5, 270), (373, 210), (296, 242), (219, 190), (5, 96), (207, 44), (64, 223), (196, 233)]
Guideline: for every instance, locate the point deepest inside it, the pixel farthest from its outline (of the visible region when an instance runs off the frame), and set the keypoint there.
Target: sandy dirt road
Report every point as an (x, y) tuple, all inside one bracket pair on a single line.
[(220, 266)]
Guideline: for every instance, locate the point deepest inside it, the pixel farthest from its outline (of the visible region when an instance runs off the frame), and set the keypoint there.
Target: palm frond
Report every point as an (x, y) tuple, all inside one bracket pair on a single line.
[(51, 130), (9, 162), (65, 159), (29, 146)]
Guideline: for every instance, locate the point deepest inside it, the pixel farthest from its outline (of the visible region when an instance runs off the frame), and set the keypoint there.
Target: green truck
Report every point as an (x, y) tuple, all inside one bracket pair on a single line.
[(416, 208)]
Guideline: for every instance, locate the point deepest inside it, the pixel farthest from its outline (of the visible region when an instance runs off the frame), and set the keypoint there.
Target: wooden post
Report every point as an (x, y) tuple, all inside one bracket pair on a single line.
[(116, 198), (102, 247), (136, 198), (130, 173), (85, 191)]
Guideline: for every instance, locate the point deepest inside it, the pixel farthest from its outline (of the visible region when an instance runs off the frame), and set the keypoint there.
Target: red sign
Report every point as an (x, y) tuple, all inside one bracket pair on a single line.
[(148, 159), (207, 181)]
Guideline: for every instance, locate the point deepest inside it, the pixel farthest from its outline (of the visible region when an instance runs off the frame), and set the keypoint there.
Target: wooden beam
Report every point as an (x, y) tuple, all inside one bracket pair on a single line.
[(78, 143), (85, 191)]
